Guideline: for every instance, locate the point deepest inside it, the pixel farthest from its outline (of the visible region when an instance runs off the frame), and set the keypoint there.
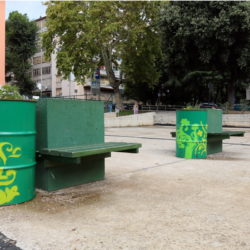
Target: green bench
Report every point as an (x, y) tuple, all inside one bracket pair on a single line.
[(94, 149), (70, 143), (199, 133), (215, 140)]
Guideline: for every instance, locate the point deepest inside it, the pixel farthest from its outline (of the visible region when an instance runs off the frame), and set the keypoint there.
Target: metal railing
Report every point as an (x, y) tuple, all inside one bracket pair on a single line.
[(91, 97), (160, 107)]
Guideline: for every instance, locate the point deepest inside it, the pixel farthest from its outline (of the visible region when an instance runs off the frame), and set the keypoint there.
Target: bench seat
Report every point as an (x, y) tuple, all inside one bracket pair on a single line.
[(214, 140), (69, 166), (234, 133), (94, 149), (223, 135)]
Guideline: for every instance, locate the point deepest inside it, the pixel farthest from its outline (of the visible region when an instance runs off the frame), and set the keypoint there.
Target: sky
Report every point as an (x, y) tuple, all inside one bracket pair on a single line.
[(34, 9)]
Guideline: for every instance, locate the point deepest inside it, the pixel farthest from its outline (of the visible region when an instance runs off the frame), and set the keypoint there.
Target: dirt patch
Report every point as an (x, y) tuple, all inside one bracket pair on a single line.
[(61, 200)]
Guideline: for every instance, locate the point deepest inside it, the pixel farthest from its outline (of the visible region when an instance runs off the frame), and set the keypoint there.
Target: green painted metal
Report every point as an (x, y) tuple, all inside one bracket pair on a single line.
[(215, 135), (55, 174), (214, 146), (70, 143), (214, 120), (67, 122), (234, 133), (191, 134), (93, 149), (17, 151), (214, 140)]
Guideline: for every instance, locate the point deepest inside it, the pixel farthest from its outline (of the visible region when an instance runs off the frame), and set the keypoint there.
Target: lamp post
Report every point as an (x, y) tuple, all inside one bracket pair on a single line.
[(2, 42)]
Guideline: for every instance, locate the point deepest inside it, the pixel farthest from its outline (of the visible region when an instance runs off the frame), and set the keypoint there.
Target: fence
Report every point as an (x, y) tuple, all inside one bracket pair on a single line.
[(110, 100), (160, 107)]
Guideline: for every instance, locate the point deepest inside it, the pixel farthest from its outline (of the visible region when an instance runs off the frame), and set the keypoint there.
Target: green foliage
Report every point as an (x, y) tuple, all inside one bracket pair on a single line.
[(206, 43), (90, 34), (126, 112), (10, 92), (130, 112), (226, 107), (20, 46), (189, 107), (139, 91)]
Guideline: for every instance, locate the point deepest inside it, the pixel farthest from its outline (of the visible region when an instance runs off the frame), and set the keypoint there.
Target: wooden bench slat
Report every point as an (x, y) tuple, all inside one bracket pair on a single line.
[(87, 150)]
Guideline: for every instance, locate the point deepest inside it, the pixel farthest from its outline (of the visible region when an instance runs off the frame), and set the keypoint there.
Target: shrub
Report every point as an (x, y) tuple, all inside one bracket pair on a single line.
[(10, 92)]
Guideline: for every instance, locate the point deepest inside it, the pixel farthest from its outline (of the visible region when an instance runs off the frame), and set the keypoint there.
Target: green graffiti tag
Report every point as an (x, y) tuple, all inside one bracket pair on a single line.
[(192, 138), (7, 177)]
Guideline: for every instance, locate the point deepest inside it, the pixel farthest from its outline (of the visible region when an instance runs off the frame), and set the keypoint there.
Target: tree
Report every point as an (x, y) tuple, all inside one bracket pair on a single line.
[(20, 46), (86, 35), (207, 42), (9, 92)]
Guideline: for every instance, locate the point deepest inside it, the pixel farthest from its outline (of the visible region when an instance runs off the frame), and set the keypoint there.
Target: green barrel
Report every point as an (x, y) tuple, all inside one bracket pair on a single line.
[(17, 151), (191, 134)]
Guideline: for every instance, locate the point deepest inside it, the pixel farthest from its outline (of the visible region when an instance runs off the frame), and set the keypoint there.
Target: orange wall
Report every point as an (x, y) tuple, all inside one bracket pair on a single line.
[(2, 42)]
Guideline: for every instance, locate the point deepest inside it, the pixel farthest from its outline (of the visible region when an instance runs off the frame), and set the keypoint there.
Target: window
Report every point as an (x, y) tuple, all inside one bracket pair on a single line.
[(37, 60), (46, 70), (58, 79), (44, 60), (36, 72), (41, 25), (58, 92)]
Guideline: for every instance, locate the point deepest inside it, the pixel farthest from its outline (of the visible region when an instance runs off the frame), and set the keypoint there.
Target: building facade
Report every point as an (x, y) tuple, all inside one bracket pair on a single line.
[(44, 73)]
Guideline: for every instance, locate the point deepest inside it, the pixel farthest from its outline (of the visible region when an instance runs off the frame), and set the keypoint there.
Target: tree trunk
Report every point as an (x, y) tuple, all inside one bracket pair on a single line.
[(118, 99), (231, 93), (115, 83)]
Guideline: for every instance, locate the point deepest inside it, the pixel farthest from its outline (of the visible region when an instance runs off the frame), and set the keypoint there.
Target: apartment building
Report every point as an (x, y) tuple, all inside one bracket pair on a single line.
[(44, 73), (41, 69), (49, 83)]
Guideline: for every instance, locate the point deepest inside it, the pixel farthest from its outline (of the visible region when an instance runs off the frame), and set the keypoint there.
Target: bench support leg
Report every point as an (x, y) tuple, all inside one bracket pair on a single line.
[(62, 175), (214, 146)]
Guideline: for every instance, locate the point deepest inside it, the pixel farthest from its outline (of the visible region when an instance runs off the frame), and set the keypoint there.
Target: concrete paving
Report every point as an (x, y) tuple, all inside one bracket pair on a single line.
[(150, 200)]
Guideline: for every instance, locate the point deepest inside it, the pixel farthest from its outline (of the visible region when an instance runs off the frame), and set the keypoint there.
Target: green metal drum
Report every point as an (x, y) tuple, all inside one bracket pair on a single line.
[(191, 134), (17, 151)]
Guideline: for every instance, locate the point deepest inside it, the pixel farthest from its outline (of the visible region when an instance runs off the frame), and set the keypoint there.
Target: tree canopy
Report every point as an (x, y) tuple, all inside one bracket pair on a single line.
[(20, 46), (206, 48), (86, 35)]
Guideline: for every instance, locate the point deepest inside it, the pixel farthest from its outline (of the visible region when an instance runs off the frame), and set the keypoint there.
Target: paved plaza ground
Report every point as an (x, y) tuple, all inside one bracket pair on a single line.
[(150, 200)]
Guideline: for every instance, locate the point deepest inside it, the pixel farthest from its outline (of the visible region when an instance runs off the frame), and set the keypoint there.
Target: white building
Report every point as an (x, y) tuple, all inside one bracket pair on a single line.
[(44, 73)]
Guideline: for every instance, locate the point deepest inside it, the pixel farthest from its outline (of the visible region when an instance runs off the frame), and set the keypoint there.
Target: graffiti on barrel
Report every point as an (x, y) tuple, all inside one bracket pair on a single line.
[(192, 138), (7, 177)]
